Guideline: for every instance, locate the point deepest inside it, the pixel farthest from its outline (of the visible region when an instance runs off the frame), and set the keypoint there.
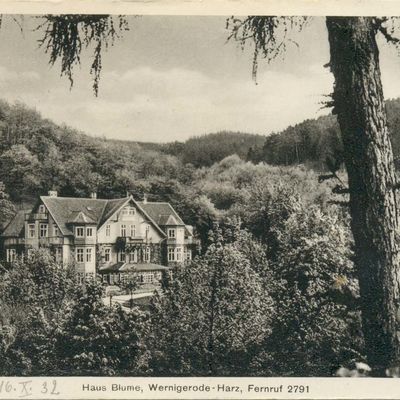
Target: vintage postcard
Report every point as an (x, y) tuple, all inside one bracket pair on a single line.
[(199, 200)]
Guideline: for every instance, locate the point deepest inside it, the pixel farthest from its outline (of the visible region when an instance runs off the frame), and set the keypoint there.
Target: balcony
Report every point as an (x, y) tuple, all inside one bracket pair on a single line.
[(36, 217), (15, 241), (51, 240), (123, 241), (131, 239), (55, 240)]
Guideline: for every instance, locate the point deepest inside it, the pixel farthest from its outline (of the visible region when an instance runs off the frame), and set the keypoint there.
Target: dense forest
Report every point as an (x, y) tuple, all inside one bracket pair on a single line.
[(312, 141), (276, 259)]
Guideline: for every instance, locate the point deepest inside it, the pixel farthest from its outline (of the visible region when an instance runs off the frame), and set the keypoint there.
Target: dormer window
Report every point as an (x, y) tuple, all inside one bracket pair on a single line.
[(79, 231), (89, 232), (42, 209)]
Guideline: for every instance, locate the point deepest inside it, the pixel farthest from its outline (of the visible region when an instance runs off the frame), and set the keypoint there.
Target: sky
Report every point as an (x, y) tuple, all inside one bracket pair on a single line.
[(172, 77)]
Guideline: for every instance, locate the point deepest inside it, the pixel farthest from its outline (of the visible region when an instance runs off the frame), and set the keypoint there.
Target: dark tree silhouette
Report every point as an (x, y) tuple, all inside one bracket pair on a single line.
[(359, 104)]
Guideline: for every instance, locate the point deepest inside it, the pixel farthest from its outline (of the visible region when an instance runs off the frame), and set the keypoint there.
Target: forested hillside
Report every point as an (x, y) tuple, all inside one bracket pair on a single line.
[(312, 141), (203, 151)]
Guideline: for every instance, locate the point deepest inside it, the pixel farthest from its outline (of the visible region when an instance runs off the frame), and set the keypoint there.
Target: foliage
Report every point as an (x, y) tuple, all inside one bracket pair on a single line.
[(65, 35), (19, 168), (93, 339), (268, 34), (32, 293), (205, 150), (49, 325), (213, 316), (7, 208), (317, 328)]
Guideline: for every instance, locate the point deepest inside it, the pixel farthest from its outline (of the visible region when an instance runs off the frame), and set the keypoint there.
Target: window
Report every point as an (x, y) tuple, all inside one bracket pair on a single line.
[(171, 233), (31, 230), (123, 230), (107, 255), (147, 230), (133, 256), (79, 231), (122, 256), (147, 254), (42, 209), (128, 210), (11, 255), (79, 255), (58, 254), (133, 230), (108, 229), (89, 255), (56, 230), (89, 232), (174, 253), (171, 254), (148, 277), (179, 254), (188, 254), (43, 230)]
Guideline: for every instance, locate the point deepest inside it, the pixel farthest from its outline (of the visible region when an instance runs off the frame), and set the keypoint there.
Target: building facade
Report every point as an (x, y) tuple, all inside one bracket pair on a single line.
[(114, 238)]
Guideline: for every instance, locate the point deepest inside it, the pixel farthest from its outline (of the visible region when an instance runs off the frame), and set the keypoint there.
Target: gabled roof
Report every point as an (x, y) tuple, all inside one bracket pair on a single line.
[(64, 209), (79, 217), (168, 220), (161, 212), (16, 225), (111, 207)]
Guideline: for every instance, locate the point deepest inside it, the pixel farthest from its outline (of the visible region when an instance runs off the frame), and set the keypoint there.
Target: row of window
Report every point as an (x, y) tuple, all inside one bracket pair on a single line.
[(11, 254), (43, 230), (132, 256), (144, 277), (83, 254), (127, 230), (80, 231), (128, 210)]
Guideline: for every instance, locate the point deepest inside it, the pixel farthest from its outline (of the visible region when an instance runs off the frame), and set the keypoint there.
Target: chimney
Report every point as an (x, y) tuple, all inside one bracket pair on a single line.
[(145, 199), (93, 195), (53, 193)]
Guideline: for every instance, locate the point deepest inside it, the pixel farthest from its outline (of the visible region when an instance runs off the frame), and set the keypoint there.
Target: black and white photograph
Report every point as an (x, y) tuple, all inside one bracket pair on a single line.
[(193, 196)]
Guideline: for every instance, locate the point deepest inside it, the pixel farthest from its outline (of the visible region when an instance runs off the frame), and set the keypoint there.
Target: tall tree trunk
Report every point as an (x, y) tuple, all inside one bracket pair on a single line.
[(359, 105)]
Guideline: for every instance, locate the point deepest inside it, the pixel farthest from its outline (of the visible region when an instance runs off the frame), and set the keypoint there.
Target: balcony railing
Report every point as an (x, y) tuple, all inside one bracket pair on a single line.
[(51, 240), (36, 216), (131, 239), (15, 241)]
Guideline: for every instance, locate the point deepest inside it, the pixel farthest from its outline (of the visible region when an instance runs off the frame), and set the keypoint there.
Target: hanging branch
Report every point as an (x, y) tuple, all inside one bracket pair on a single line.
[(268, 34), (66, 35)]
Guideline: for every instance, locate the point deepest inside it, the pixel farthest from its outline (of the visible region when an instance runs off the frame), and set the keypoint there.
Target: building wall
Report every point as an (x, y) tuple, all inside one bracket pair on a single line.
[(138, 220)]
